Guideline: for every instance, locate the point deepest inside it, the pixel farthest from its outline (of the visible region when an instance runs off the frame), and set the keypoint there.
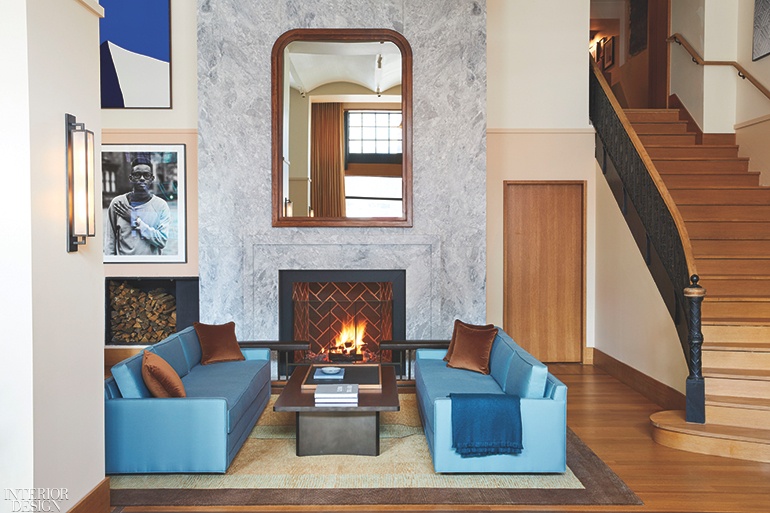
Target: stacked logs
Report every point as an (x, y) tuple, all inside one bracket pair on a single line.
[(139, 317)]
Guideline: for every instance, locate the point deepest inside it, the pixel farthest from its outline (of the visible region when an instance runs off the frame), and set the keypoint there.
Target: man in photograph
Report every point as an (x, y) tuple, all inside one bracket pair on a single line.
[(138, 220)]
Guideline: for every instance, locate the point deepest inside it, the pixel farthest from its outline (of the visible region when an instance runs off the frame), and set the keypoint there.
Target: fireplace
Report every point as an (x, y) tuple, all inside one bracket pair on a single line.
[(343, 315)]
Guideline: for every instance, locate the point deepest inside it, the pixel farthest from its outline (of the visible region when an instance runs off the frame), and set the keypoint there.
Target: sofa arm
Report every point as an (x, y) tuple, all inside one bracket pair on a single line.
[(252, 353), (544, 431), (430, 354), (165, 435)]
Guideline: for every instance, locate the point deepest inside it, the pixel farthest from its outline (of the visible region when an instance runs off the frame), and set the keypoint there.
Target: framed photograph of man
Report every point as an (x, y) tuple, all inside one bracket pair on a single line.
[(143, 203)]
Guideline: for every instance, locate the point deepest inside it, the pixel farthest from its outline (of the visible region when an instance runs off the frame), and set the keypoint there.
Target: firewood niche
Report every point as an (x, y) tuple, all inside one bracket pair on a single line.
[(141, 311)]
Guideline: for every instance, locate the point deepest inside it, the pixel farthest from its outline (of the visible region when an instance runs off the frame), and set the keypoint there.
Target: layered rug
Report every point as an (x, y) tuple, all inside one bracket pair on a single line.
[(266, 471)]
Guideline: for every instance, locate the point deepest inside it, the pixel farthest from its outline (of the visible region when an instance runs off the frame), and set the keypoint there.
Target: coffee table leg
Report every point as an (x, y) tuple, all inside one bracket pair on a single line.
[(338, 433)]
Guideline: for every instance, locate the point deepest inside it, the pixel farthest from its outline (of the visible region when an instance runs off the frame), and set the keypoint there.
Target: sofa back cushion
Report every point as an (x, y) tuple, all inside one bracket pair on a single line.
[(170, 349), (190, 346), (523, 375), (128, 376)]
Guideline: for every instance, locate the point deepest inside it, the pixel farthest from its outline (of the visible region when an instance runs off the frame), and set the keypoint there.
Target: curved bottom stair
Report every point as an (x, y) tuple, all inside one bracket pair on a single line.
[(670, 429)]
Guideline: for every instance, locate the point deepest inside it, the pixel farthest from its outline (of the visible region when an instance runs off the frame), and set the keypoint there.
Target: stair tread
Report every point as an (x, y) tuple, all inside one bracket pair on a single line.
[(747, 374), (742, 347), (722, 321), (675, 421), (749, 403)]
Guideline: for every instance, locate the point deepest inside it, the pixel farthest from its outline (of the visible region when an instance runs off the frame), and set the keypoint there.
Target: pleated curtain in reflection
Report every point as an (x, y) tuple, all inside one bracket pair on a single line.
[(327, 171)]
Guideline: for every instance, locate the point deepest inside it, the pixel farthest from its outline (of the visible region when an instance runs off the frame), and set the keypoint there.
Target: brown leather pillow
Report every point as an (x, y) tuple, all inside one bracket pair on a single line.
[(218, 343), (458, 322), (160, 377), (472, 347)]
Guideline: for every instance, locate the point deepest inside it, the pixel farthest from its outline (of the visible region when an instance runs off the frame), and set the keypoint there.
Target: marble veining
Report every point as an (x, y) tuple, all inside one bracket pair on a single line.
[(241, 253)]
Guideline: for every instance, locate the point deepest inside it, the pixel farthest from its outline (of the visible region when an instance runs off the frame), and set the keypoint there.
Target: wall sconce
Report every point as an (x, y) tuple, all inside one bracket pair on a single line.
[(81, 209), (288, 207)]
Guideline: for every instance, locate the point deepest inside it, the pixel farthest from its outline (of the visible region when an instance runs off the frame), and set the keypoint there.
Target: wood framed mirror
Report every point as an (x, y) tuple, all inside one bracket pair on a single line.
[(342, 128)]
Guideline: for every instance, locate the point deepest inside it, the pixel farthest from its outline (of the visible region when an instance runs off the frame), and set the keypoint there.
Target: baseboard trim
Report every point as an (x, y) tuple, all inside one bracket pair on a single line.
[(95, 501), (657, 392)]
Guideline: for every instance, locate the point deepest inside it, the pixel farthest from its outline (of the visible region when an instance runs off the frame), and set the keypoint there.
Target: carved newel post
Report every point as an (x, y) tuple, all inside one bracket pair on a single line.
[(696, 387)]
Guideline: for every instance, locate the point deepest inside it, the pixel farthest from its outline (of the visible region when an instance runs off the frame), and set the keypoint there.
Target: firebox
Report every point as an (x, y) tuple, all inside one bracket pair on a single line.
[(343, 315)]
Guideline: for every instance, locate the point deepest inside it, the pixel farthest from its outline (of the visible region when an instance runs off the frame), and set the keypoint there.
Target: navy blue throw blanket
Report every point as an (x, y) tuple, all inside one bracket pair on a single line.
[(484, 424)]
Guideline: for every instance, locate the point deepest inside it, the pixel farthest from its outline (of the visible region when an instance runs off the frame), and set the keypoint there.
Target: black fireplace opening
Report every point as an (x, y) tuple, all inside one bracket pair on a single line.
[(342, 314), (143, 311)]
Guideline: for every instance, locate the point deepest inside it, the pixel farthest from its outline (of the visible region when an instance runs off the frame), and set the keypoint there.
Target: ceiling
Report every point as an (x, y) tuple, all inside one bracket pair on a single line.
[(373, 65)]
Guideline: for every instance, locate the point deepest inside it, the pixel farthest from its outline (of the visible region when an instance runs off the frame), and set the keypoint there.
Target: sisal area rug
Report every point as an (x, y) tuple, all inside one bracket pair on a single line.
[(267, 472)]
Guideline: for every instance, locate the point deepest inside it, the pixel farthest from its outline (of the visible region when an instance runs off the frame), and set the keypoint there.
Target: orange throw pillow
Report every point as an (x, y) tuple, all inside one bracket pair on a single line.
[(458, 322), (160, 377), (472, 347), (218, 343)]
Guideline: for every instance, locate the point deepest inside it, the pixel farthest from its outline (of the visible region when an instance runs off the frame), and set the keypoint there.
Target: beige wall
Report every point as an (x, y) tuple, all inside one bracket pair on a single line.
[(752, 137), (687, 18), (176, 125), (536, 132), (54, 298)]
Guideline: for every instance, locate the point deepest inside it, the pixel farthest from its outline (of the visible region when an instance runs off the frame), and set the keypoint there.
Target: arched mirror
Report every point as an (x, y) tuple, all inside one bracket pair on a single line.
[(342, 128)]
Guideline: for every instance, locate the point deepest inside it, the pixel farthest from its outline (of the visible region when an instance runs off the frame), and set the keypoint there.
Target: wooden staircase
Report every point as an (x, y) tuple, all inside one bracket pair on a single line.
[(727, 215)]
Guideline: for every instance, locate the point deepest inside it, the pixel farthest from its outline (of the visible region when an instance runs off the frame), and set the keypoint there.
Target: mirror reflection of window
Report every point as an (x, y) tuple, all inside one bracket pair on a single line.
[(373, 136), (373, 196)]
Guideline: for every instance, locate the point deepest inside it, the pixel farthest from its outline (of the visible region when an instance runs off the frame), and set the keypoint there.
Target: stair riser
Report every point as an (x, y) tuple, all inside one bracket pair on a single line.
[(737, 387), (738, 417), (705, 180), (736, 360), (731, 248), (736, 287), (668, 139), (735, 310), (713, 446), (661, 128), (734, 230), (736, 334), (730, 212), (701, 166), (733, 267), (652, 116), (693, 151), (721, 197)]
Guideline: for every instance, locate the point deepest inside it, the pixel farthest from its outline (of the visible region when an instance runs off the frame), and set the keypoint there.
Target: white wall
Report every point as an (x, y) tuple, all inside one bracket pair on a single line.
[(632, 322), (538, 129), (537, 55), (719, 82), (753, 108), (16, 421), (59, 306), (687, 78)]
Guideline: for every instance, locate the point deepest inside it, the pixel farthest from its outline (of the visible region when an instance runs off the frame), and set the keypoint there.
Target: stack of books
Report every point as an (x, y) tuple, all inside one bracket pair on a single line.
[(336, 395)]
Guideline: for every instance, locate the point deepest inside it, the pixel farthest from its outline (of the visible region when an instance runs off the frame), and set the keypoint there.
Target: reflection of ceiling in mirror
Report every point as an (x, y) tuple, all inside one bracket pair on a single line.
[(373, 65)]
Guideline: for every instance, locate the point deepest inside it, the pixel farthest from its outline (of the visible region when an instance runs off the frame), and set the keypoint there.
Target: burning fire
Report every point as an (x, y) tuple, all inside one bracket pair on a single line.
[(351, 337)]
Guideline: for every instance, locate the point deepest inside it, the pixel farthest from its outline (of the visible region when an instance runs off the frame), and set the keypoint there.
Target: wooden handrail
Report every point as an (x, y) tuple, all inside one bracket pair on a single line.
[(652, 170), (697, 59)]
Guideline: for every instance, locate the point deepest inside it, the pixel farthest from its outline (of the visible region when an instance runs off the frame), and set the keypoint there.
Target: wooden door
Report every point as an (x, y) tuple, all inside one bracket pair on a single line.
[(544, 262)]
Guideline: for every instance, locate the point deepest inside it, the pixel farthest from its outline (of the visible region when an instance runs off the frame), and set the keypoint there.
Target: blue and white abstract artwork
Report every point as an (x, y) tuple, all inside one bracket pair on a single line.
[(135, 48)]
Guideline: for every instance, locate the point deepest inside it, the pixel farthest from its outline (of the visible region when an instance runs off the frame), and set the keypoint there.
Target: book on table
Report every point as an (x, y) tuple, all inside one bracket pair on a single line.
[(320, 373), (336, 395)]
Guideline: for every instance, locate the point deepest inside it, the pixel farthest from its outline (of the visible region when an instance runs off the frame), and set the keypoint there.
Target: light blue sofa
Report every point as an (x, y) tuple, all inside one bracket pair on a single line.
[(198, 433), (513, 371)]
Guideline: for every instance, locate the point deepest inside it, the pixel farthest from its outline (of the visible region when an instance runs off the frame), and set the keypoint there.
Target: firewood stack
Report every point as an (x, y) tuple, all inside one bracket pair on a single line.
[(140, 317)]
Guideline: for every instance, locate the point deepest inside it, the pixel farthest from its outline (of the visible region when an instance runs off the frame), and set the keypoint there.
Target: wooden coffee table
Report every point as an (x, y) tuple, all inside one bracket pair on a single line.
[(338, 430)]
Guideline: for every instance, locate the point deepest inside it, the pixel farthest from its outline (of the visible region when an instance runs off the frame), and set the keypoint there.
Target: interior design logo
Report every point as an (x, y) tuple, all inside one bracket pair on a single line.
[(36, 499)]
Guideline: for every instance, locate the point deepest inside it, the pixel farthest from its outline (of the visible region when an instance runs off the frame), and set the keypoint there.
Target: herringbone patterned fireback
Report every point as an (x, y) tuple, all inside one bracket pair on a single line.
[(320, 309)]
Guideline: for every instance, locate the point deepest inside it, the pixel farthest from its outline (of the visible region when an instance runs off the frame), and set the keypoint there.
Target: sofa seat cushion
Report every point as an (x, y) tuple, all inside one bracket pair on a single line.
[(435, 380), (238, 383)]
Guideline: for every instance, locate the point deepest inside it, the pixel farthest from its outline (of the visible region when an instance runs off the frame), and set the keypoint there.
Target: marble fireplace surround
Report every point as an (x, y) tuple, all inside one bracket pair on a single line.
[(443, 254)]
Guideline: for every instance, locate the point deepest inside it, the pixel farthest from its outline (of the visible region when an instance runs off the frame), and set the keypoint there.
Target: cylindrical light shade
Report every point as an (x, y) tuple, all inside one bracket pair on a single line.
[(80, 161), (90, 150)]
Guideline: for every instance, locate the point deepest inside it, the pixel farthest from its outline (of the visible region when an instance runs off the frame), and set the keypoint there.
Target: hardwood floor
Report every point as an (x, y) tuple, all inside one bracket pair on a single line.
[(614, 421)]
